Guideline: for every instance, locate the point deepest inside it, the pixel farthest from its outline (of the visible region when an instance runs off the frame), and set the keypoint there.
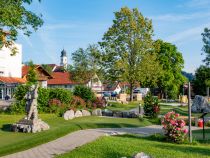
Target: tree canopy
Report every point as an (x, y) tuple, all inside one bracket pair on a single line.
[(206, 46), (124, 44), (202, 80), (15, 17), (86, 63), (172, 63)]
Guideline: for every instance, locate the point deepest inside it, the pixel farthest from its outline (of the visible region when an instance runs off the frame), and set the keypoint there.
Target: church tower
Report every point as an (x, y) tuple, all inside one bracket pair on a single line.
[(64, 61)]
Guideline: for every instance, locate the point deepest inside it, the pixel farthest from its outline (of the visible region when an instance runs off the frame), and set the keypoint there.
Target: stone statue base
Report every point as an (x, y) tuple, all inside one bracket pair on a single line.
[(28, 126)]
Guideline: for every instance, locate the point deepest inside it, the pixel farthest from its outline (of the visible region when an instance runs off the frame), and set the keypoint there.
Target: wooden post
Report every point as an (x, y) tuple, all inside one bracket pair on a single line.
[(189, 114)]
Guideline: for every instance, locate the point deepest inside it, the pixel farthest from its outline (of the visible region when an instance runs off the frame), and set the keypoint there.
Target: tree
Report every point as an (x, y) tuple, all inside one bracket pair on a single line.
[(150, 71), (31, 77), (15, 17), (206, 47), (172, 63), (124, 44), (86, 63), (47, 68), (201, 81)]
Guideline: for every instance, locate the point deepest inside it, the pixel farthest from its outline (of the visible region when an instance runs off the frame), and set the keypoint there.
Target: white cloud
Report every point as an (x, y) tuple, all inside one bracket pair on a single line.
[(180, 17), (197, 4), (189, 34)]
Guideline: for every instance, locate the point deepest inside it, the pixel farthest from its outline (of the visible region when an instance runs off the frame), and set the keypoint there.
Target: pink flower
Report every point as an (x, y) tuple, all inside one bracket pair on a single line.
[(185, 131), (173, 122)]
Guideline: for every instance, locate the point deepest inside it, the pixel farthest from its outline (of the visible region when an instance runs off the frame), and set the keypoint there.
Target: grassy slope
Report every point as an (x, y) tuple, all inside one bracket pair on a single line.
[(126, 146), (123, 107), (11, 142)]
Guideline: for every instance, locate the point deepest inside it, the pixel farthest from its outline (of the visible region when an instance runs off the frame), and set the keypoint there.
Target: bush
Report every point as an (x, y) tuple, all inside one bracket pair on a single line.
[(84, 92), (99, 103), (78, 103), (17, 107), (151, 106), (65, 96), (43, 100), (174, 127)]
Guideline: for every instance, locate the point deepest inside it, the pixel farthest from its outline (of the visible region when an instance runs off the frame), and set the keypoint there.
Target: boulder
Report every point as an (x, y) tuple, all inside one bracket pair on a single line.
[(133, 114), (107, 112), (78, 113), (97, 112), (85, 113), (141, 155), (117, 114), (68, 115), (200, 104)]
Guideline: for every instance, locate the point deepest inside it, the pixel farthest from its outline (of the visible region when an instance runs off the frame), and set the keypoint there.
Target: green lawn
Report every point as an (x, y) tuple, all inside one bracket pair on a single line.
[(123, 107), (128, 145), (182, 110), (198, 135), (11, 142)]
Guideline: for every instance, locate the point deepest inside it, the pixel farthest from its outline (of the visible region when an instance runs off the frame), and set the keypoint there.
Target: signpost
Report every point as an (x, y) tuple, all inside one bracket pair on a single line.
[(189, 114)]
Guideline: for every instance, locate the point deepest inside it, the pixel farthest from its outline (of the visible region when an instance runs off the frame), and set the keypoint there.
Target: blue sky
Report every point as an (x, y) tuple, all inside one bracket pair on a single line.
[(71, 24)]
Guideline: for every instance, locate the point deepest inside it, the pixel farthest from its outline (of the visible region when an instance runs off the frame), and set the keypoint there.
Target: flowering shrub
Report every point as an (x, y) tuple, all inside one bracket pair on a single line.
[(151, 106), (78, 102), (99, 103), (54, 102), (174, 127)]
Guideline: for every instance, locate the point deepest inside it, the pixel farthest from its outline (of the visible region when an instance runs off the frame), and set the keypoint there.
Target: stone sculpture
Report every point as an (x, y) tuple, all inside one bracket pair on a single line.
[(31, 123)]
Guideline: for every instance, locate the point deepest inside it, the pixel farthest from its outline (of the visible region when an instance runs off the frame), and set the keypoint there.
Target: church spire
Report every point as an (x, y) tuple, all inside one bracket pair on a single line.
[(64, 61)]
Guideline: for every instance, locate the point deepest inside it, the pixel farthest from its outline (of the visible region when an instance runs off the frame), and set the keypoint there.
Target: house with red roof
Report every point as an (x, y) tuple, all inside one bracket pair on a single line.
[(42, 75), (63, 79)]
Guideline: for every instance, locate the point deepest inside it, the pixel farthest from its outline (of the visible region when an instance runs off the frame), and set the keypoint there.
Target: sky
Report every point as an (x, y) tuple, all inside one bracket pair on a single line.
[(73, 24)]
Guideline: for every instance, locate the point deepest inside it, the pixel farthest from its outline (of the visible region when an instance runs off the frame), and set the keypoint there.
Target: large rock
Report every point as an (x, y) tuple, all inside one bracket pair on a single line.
[(85, 113), (78, 113), (68, 115), (97, 112), (200, 104), (141, 155)]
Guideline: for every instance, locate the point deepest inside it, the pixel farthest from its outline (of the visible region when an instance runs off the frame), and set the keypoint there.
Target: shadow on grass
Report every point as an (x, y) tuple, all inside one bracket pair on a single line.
[(185, 149), (6, 128), (163, 144)]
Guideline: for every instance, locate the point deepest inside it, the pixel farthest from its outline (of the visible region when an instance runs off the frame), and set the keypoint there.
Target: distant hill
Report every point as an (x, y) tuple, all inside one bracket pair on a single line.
[(190, 76)]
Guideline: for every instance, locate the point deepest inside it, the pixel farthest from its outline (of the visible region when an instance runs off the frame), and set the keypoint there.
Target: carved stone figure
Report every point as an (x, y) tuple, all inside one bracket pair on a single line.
[(31, 123)]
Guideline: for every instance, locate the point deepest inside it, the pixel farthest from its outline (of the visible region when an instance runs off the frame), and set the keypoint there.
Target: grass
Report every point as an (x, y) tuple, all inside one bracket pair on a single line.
[(11, 142), (115, 106), (128, 145), (182, 110), (198, 135)]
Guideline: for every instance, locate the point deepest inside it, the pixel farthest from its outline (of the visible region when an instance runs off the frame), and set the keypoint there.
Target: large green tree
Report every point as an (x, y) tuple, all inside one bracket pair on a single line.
[(124, 45), (86, 63), (172, 63), (14, 17), (206, 46), (150, 71), (202, 80)]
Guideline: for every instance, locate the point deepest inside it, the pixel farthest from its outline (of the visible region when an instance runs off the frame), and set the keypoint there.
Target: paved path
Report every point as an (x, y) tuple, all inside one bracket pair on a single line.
[(79, 138), (76, 139)]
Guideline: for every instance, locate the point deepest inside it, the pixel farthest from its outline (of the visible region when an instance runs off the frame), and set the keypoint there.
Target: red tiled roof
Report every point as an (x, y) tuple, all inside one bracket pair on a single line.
[(12, 80), (25, 69), (61, 78)]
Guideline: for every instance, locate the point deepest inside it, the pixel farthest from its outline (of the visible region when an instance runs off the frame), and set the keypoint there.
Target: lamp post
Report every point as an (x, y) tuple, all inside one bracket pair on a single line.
[(189, 114)]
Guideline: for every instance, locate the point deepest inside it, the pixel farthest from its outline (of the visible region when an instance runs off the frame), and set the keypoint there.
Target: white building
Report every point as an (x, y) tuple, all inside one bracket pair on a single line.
[(10, 71), (10, 66)]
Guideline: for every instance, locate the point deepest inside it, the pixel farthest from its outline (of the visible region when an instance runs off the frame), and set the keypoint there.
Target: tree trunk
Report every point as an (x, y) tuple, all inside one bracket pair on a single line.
[(131, 92)]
